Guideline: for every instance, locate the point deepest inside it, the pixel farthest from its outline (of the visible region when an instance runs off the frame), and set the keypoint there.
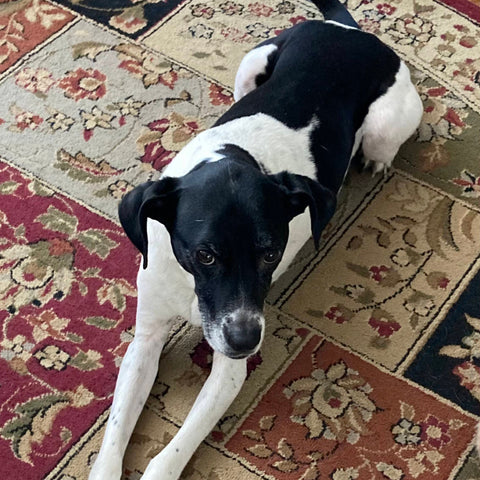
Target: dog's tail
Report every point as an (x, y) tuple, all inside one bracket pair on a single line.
[(335, 11)]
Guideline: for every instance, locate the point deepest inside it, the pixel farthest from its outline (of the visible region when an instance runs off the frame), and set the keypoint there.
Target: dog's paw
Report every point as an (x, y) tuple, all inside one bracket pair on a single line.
[(106, 470), (375, 166), (167, 465)]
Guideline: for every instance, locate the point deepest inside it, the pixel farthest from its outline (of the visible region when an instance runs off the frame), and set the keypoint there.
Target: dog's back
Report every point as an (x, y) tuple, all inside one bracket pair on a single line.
[(324, 72)]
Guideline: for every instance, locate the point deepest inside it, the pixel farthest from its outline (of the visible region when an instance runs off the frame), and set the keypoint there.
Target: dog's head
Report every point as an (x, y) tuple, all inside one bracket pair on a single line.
[(228, 224)]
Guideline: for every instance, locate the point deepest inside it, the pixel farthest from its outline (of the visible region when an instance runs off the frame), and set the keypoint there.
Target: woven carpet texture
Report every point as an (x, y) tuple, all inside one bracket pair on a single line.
[(370, 367)]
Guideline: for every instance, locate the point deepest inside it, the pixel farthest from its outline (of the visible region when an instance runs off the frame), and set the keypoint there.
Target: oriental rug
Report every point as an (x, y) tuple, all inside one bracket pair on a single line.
[(370, 368)]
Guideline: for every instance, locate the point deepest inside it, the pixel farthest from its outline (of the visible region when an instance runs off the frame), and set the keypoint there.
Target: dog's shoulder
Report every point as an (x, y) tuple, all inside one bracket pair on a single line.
[(272, 144)]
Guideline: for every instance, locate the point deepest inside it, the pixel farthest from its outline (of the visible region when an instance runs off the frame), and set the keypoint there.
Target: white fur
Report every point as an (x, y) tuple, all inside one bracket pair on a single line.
[(390, 121), (138, 370), (300, 232), (348, 27), (218, 392), (253, 64), (156, 308), (259, 135), (356, 143)]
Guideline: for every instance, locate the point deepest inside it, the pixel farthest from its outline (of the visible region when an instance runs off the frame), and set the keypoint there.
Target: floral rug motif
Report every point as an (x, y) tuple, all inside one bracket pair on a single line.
[(401, 262), (114, 102), (130, 17), (322, 422), (371, 362), (24, 24), (58, 360)]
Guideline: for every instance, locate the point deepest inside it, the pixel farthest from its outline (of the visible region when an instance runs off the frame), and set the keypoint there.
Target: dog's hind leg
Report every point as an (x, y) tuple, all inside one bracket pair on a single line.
[(253, 69), (218, 392), (390, 121)]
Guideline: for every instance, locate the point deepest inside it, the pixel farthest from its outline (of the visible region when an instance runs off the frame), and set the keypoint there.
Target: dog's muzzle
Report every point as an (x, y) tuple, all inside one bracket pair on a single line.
[(242, 332)]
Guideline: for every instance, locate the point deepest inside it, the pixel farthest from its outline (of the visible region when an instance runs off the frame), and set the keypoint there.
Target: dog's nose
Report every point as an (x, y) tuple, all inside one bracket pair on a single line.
[(242, 334)]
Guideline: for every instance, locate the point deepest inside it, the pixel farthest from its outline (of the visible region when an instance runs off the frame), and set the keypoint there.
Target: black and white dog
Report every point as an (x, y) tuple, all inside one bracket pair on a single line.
[(228, 214)]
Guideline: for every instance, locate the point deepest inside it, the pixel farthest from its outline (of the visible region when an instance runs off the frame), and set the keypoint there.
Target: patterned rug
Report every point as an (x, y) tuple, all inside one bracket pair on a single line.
[(371, 364)]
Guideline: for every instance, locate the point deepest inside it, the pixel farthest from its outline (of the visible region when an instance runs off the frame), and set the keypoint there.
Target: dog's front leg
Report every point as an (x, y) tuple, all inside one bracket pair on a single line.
[(220, 389), (135, 379)]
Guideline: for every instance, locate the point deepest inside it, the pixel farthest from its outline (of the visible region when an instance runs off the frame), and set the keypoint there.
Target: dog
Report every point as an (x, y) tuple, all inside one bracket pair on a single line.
[(236, 204)]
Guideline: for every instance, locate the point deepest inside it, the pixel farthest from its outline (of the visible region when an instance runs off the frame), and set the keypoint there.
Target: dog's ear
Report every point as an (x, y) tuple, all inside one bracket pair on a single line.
[(304, 192), (157, 200)]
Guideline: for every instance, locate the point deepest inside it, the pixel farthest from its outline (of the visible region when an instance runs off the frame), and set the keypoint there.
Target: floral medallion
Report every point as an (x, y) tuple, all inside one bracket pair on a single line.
[(328, 417), (126, 113)]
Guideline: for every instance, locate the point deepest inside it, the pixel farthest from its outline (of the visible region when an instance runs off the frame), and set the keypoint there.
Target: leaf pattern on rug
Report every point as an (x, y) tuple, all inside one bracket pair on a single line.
[(82, 168), (396, 289), (33, 424)]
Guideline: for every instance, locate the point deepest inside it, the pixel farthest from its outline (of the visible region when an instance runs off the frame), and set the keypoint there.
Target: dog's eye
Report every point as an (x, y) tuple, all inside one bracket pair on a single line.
[(205, 257), (271, 257)]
